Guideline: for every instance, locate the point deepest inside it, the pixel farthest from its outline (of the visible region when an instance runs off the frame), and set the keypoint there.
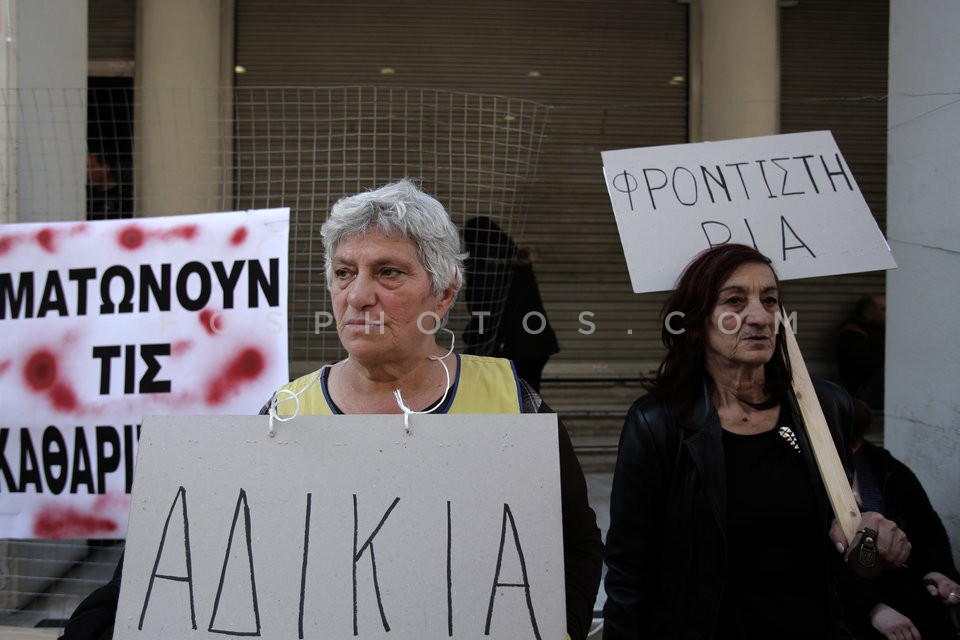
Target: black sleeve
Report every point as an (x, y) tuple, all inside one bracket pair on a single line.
[(911, 509), (94, 617), (633, 545), (265, 409), (582, 542), (858, 595)]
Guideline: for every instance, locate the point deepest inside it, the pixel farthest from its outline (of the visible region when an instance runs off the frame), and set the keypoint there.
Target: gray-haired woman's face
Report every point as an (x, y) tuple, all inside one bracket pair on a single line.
[(383, 300)]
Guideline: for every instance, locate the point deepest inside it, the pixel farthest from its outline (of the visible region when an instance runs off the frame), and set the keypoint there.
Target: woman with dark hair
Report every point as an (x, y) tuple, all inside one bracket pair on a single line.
[(719, 519)]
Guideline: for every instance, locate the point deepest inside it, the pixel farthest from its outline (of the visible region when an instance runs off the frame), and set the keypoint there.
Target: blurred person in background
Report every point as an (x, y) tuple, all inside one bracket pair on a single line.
[(920, 600), (507, 316), (860, 350)]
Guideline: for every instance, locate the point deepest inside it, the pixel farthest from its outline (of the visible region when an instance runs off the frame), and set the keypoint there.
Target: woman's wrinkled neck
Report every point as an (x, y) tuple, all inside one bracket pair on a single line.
[(736, 383), (368, 387), (374, 373)]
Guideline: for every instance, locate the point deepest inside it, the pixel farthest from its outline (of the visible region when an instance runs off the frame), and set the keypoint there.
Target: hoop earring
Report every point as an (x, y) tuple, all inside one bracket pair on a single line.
[(453, 342)]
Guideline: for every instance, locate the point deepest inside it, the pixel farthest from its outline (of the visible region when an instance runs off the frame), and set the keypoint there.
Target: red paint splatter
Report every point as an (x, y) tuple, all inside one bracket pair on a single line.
[(248, 365), (112, 501), (245, 366), (239, 236), (211, 321), (45, 238), (7, 242), (131, 237), (180, 347), (40, 372), (63, 397), (68, 522), (4, 365), (185, 231), (79, 228), (177, 398)]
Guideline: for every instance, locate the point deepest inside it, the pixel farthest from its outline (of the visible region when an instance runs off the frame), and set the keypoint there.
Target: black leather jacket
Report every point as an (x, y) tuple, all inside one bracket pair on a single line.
[(666, 549)]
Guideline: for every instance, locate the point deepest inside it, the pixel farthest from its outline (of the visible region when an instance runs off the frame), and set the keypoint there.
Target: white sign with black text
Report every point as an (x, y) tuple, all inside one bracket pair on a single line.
[(345, 526), (792, 197), (103, 322)]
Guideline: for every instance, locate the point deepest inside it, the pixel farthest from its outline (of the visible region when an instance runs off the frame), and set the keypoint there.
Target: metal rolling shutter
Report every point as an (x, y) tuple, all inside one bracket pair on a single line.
[(834, 76), (111, 30), (605, 67)]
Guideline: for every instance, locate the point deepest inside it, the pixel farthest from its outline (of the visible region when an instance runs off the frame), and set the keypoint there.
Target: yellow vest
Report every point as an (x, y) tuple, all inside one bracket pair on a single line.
[(482, 385)]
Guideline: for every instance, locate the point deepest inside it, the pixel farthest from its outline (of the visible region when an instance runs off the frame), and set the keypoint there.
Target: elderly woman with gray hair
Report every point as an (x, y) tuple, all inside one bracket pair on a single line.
[(394, 267)]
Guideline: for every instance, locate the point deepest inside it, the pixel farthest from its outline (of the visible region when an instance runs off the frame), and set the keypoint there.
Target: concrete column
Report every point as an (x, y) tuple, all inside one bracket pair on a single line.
[(182, 131), (8, 125), (734, 69), (921, 405), (43, 110)]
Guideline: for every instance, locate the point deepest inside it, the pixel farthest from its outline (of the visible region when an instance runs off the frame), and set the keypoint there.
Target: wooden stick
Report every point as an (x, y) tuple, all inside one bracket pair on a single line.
[(824, 450)]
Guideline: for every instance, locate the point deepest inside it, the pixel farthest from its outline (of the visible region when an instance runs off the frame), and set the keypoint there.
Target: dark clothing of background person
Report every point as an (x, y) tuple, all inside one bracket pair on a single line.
[(500, 281), (582, 550), (860, 351), (888, 486), (94, 617), (668, 550), (530, 346)]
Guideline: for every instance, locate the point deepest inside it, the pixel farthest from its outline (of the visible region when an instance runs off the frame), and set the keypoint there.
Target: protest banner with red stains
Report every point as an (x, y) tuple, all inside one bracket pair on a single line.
[(102, 323)]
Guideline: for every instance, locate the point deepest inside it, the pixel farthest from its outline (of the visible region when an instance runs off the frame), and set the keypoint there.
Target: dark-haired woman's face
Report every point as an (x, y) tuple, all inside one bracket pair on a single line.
[(742, 328)]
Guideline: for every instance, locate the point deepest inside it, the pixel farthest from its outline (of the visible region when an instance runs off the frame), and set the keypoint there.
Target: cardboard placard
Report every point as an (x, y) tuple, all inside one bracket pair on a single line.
[(792, 197), (345, 526)]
